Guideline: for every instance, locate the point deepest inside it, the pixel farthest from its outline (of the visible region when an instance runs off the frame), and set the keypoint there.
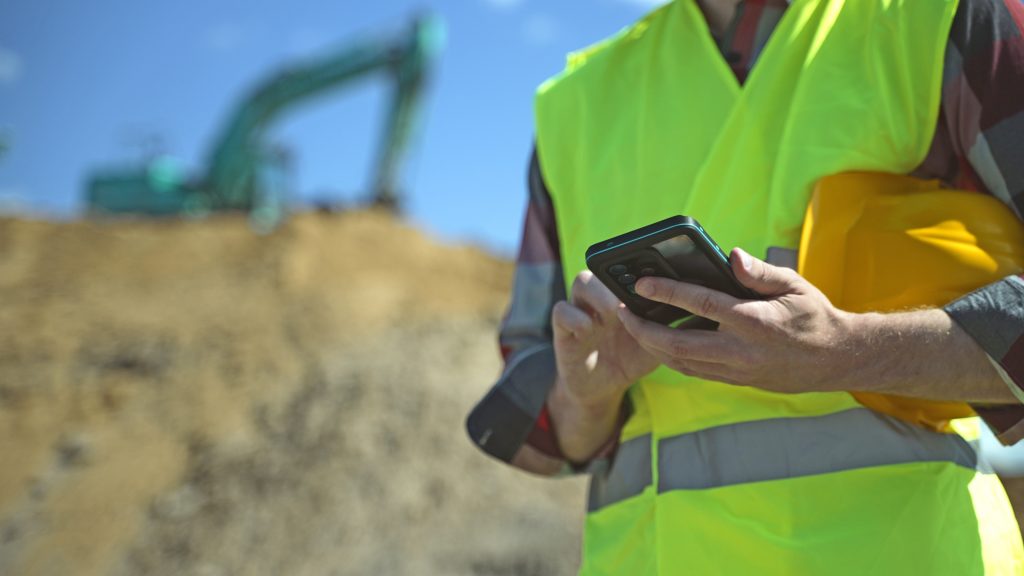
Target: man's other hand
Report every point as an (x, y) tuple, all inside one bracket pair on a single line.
[(597, 361)]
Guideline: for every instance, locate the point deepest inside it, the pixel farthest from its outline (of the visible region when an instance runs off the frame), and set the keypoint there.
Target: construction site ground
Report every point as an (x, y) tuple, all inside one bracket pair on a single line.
[(190, 398)]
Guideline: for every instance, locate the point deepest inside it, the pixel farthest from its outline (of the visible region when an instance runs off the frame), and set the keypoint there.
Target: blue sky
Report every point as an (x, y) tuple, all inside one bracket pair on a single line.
[(87, 84)]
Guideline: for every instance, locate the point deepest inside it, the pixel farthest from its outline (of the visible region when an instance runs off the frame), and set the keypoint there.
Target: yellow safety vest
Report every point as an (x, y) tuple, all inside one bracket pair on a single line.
[(711, 478)]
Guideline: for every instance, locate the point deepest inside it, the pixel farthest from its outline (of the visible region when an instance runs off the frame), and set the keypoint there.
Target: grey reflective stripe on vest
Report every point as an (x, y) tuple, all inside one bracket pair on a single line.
[(629, 474), (789, 447), (761, 450)]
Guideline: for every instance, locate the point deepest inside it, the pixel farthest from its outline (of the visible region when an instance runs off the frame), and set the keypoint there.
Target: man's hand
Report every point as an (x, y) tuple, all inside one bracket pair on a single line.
[(597, 360), (792, 341), (795, 340)]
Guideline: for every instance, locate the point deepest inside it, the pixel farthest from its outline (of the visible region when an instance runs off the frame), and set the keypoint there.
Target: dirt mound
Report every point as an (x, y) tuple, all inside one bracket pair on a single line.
[(190, 398)]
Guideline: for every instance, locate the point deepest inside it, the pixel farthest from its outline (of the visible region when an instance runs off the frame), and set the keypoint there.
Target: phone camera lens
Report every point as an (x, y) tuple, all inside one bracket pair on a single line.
[(617, 269), (648, 271), (627, 279), (631, 289)]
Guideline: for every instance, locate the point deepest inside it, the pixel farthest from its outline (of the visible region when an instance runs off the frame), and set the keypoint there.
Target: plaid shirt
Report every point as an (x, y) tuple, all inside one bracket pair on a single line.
[(978, 145)]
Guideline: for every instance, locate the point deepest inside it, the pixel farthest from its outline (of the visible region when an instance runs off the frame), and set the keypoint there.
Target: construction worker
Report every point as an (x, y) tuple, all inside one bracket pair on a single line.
[(743, 451)]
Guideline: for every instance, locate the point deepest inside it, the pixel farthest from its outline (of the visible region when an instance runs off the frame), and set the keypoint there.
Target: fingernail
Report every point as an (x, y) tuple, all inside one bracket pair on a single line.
[(644, 288), (745, 259)]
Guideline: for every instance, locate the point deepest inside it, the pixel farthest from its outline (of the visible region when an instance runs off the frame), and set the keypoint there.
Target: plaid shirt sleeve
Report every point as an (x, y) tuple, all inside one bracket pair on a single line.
[(979, 145), (512, 423)]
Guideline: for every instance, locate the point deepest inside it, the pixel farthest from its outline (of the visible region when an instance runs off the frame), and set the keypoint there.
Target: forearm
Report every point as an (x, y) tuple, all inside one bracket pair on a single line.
[(582, 429), (922, 354)]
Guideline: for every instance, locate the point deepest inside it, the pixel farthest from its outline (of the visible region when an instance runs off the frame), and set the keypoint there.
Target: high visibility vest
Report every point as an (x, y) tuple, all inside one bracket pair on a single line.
[(711, 478)]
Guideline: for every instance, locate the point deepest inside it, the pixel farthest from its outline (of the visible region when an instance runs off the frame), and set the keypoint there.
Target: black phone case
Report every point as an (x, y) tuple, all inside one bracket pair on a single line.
[(618, 262)]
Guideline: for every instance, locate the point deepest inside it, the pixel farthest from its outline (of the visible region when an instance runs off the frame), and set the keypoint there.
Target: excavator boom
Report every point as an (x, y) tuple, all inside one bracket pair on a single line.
[(243, 171), (236, 154)]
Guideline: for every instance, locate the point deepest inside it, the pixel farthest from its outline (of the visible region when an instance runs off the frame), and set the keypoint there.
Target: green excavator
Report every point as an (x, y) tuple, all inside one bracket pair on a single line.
[(245, 173)]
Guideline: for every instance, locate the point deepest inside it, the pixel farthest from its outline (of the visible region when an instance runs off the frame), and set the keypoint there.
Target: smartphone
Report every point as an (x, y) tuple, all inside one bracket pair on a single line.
[(676, 248)]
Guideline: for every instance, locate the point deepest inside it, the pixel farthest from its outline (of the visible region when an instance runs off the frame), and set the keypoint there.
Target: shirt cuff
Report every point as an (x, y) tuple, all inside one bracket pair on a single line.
[(503, 420), (993, 316)]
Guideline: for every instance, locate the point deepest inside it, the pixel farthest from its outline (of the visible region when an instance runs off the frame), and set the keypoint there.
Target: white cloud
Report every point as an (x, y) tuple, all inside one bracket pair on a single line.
[(540, 29), (11, 66), (504, 4)]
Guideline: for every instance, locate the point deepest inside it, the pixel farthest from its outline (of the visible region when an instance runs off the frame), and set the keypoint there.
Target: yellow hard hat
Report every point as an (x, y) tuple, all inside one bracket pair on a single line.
[(883, 242)]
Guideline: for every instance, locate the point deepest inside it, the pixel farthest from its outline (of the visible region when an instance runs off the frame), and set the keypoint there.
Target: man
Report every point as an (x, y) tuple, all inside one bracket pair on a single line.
[(705, 458)]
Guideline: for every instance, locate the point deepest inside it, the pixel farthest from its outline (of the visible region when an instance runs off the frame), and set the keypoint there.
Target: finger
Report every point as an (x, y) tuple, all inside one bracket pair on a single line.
[(714, 371), (697, 345), (568, 320), (594, 297), (711, 304), (760, 276)]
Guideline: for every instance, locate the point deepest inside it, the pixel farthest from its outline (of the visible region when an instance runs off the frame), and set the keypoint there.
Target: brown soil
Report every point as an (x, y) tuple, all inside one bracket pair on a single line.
[(190, 398)]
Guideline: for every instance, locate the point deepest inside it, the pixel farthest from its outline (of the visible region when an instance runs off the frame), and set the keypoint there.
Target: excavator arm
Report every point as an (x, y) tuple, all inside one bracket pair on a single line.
[(231, 180), (244, 172)]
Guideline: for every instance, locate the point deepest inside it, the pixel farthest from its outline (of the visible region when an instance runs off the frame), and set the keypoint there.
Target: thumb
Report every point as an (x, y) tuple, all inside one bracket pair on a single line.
[(760, 276)]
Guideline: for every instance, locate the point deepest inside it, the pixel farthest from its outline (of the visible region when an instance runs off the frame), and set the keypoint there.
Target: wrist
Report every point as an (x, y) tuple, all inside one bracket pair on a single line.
[(853, 351), (562, 399), (894, 353), (580, 426)]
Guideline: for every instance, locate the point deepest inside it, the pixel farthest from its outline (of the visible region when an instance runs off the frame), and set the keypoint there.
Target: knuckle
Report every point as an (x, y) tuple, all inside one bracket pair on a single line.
[(651, 287), (678, 349), (663, 290), (706, 305), (658, 288), (558, 310), (788, 277), (750, 314), (672, 291), (561, 317)]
